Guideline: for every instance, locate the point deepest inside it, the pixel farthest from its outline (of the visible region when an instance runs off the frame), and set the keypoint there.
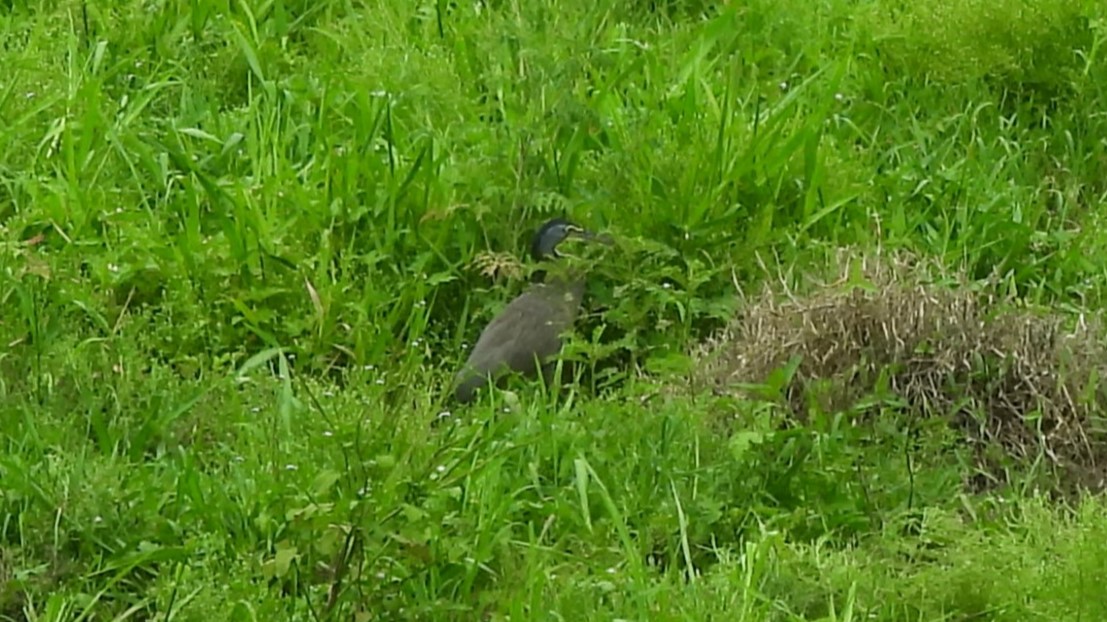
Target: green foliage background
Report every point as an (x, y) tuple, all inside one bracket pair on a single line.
[(236, 246)]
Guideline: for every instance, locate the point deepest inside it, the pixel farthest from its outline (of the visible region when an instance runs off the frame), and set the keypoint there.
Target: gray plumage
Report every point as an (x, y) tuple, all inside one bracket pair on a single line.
[(530, 331)]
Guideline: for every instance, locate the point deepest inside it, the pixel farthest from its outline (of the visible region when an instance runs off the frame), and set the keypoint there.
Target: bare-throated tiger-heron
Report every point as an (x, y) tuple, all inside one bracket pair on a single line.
[(526, 336)]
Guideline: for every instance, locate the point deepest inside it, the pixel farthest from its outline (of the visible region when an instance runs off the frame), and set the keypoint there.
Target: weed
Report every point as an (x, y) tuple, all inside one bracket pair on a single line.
[(243, 246)]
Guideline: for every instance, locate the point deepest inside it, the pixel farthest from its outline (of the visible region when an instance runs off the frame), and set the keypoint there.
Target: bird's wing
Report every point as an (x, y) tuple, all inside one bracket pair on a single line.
[(530, 326)]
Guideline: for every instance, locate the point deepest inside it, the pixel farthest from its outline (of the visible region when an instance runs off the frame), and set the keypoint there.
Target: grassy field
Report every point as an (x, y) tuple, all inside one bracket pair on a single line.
[(244, 245)]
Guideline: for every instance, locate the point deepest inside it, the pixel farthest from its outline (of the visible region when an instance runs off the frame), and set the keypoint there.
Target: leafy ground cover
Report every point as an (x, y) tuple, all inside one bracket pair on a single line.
[(244, 245)]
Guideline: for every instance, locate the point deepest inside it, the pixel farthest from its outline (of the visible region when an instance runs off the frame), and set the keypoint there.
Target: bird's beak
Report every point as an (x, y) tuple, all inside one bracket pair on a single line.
[(589, 236)]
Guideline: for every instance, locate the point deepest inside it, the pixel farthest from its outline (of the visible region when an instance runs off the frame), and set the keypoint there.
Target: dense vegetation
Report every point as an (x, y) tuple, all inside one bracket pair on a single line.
[(243, 246)]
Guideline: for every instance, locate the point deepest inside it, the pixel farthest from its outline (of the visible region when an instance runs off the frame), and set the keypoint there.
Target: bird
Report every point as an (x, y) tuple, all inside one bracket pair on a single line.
[(530, 330)]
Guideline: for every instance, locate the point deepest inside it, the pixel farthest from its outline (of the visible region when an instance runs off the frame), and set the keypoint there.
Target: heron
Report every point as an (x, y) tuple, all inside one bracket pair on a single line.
[(530, 332)]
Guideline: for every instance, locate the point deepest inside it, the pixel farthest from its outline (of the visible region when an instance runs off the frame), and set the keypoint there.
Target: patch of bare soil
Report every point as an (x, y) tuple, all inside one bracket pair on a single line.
[(1006, 375)]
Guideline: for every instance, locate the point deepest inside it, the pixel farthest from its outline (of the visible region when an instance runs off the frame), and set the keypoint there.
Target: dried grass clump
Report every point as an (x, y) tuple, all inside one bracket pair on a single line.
[(1023, 380)]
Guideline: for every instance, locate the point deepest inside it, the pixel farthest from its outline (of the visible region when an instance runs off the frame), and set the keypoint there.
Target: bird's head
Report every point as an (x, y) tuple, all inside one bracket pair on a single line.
[(554, 232)]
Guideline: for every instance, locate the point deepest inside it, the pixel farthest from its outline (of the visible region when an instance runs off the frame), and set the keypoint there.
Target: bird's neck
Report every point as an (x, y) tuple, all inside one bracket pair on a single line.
[(559, 273), (560, 283)]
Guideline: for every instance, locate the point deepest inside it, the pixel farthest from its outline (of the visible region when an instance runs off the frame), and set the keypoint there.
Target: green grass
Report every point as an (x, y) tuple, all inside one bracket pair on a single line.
[(236, 272)]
